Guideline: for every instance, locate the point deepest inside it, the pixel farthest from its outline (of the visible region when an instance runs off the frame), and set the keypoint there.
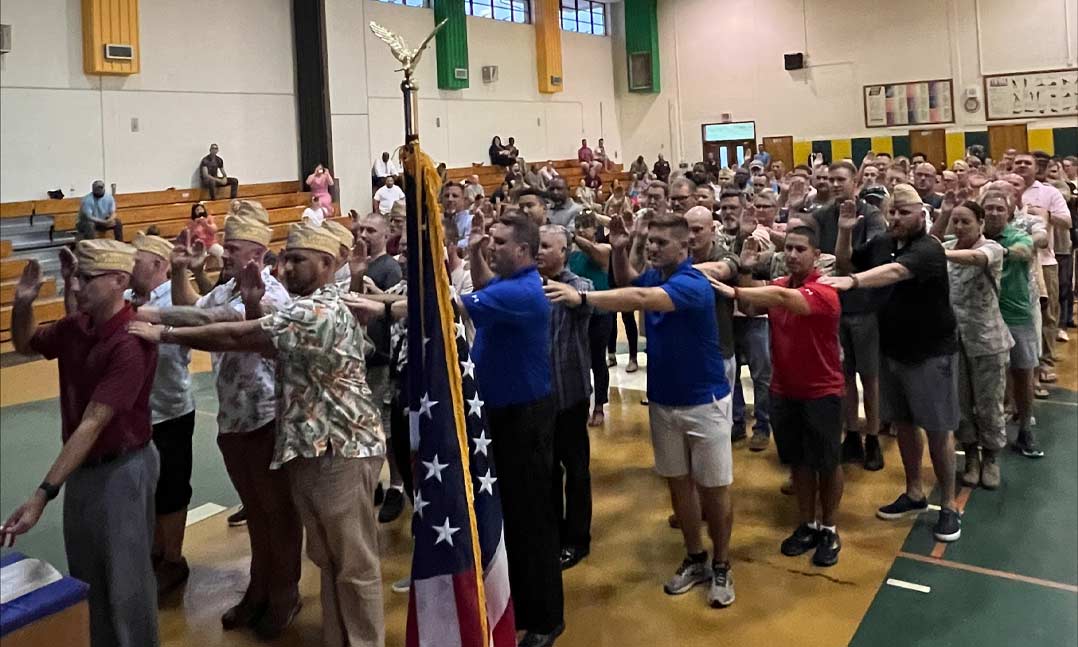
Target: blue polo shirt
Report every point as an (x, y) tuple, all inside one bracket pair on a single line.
[(512, 339), (684, 361)]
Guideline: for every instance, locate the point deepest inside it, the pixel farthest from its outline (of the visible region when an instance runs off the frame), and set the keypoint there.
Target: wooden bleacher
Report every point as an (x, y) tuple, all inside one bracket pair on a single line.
[(491, 177)]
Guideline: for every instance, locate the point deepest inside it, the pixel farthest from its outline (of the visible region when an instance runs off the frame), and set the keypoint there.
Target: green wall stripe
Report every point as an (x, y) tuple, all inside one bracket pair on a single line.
[(1065, 141), (822, 146), (860, 146), (642, 35), (451, 43), (977, 137), (901, 145)]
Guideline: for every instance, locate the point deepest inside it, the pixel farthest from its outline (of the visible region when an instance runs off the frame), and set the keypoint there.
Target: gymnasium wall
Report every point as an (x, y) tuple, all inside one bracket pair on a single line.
[(211, 72), (727, 58)]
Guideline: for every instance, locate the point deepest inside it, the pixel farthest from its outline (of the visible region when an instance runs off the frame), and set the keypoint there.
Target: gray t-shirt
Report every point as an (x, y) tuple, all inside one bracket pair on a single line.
[(862, 300), (385, 271), (565, 216)]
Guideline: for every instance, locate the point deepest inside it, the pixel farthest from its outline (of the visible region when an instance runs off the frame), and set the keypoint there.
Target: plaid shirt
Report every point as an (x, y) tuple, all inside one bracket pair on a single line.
[(570, 357)]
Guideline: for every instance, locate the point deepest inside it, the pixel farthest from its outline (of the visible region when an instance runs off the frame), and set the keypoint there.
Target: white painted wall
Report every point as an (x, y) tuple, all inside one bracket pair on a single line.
[(211, 72), (728, 58)]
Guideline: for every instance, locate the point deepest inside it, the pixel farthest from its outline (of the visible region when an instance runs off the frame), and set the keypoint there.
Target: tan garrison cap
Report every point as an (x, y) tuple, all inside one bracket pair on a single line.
[(252, 209), (726, 174), (905, 194), (343, 234), (247, 228), (316, 239), (399, 209), (97, 256), (152, 244)]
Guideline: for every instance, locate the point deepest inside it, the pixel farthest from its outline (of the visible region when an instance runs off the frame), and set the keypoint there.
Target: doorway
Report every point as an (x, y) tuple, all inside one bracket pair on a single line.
[(780, 149), (1001, 138), (730, 151), (932, 142)]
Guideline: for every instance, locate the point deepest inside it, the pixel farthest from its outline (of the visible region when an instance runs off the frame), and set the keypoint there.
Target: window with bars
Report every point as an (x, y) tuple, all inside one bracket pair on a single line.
[(408, 3), (518, 11), (583, 16)]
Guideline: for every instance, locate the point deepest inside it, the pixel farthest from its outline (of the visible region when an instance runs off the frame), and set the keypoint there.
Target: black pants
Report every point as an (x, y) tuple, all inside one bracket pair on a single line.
[(523, 444), (1066, 289), (173, 441), (400, 442), (599, 328), (572, 456), (631, 334), (117, 229), (232, 183)]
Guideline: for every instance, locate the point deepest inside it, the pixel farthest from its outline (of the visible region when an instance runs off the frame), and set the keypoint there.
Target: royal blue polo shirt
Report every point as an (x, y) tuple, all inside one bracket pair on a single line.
[(684, 361), (512, 339)]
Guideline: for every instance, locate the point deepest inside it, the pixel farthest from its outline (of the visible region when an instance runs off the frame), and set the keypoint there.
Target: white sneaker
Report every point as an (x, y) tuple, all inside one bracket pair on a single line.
[(721, 593), (402, 585), (1062, 336), (688, 575)]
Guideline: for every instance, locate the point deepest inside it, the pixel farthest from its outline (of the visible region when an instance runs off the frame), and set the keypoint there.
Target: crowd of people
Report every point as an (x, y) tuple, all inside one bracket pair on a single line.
[(933, 298)]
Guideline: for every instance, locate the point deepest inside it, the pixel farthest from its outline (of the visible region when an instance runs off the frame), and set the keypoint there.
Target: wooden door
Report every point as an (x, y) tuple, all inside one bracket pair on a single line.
[(1001, 138), (780, 148), (932, 142)]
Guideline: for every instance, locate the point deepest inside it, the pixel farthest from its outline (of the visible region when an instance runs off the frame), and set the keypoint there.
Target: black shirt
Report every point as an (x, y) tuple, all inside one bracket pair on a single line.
[(661, 170), (212, 163), (916, 322), (934, 200), (871, 226)]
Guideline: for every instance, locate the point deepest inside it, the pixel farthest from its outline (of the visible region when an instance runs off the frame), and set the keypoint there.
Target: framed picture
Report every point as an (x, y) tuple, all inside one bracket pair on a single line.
[(1031, 95), (912, 103)]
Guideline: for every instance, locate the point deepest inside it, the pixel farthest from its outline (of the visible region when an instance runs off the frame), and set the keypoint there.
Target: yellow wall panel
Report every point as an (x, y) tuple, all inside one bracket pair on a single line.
[(802, 150), (883, 145), (548, 45), (841, 149), (113, 22), (1041, 140), (956, 147)]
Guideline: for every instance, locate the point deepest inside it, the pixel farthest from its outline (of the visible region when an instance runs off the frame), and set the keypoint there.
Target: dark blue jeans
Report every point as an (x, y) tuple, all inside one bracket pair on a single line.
[(752, 346)]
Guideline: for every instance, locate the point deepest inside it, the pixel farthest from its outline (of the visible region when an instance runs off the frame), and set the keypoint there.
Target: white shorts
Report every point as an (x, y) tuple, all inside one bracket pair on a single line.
[(694, 441)]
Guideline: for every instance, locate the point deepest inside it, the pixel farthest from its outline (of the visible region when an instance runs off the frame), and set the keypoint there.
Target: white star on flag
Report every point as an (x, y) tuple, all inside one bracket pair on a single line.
[(418, 504), (487, 483), (469, 368), (434, 468), (460, 330), (481, 443), (426, 404), (445, 533), (475, 406)]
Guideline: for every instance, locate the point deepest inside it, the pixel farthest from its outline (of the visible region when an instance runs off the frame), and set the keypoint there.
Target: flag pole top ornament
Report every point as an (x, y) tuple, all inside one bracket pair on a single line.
[(407, 56)]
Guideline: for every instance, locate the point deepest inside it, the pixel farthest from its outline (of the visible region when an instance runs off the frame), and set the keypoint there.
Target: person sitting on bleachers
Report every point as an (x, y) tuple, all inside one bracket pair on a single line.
[(601, 156), (499, 154), (97, 212), (316, 213), (548, 172), (203, 227), (585, 156), (384, 167), (386, 196), (212, 173), (473, 189), (320, 182)]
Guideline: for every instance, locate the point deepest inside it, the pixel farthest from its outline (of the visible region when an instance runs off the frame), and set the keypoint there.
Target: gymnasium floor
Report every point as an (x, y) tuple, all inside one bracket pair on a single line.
[(1011, 580)]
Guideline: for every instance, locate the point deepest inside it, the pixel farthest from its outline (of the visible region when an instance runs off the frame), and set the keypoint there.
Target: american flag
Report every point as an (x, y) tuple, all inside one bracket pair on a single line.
[(460, 577)]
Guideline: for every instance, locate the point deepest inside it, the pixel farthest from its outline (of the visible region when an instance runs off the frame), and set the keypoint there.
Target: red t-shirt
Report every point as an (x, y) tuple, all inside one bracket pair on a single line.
[(804, 348), (109, 366)]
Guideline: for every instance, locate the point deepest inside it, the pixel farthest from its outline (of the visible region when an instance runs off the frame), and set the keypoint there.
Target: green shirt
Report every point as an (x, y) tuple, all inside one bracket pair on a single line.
[(582, 265), (1014, 302)]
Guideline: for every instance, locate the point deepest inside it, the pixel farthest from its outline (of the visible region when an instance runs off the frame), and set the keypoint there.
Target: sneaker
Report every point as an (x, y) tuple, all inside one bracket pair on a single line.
[(275, 620), (392, 506), (873, 454), (379, 495), (989, 470), (1062, 335), (801, 541), (903, 506), (949, 526), (571, 556), (971, 475), (759, 442), (1026, 444), (852, 449), (402, 585), (721, 593), (532, 639), (611, 360), (738, 432), (171, 575), (238, 518), (632, 366), (688, 575), (827, 549)]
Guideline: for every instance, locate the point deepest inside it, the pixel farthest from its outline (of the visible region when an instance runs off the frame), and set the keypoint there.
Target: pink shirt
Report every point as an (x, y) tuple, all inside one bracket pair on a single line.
[(1049, 198), (204, 229), (320, 187)]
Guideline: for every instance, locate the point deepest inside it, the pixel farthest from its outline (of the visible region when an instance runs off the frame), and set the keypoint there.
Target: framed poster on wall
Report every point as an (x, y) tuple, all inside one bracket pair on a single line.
[(1031, 95), (912, 103)]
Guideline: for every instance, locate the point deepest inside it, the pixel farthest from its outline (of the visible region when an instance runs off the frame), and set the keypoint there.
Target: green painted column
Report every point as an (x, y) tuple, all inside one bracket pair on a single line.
[(452, 44), (642, 43)]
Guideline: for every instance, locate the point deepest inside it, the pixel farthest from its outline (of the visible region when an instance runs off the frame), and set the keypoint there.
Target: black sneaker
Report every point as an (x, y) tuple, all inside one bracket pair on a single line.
[(738, 432), (379, 495), (801, 541), (238, 518), (852, 449), (1026, 444), (903, 506), (949, 526), (827, 549), (873, 454), (392, 506), (571, 556)]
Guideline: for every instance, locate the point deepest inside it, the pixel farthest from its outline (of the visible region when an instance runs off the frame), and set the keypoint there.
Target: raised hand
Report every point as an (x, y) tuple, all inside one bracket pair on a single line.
[(950, 201), (357, 260), (618, 235), (478, 240), (250, 283), (847, 215), (30, 282), (797, 192), (750, 252), (69, 264)]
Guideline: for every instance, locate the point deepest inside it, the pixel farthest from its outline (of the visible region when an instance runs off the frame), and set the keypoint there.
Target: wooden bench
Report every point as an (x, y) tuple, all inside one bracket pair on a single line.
[(7, 290), (45, 311), (11, 268), (5, 248)]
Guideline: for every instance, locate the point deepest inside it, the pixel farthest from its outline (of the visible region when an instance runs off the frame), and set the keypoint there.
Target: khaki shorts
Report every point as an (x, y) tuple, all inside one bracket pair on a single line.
[(694, 441)]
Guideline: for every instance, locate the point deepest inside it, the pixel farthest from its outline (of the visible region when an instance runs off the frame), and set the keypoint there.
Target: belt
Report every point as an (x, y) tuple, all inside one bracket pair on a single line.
[(105, 459)]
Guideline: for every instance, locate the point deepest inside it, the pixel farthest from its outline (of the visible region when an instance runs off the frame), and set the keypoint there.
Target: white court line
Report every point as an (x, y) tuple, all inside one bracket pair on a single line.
[(902, 584), (204, 511), (1066, 404)]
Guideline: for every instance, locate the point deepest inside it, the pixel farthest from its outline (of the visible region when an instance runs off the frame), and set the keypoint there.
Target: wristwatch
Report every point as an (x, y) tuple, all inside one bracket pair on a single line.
[(583, 297), (49, 489)]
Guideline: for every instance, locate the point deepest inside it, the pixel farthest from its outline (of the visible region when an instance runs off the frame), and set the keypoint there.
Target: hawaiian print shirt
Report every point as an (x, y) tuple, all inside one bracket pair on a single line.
[(324, 401)]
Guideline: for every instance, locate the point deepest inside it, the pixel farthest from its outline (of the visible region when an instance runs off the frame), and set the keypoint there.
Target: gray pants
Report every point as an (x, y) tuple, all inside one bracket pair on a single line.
[(108, 534)]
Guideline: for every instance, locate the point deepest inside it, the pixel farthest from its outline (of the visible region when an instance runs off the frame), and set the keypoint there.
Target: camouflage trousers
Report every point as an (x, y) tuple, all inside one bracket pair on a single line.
[(982, 383)]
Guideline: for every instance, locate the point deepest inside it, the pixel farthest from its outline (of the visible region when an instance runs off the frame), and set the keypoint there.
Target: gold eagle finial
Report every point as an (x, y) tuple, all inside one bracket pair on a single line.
[(407, 57)]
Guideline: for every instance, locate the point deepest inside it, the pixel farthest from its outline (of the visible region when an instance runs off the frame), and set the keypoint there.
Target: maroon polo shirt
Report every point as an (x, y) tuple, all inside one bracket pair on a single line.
[(109, 366)]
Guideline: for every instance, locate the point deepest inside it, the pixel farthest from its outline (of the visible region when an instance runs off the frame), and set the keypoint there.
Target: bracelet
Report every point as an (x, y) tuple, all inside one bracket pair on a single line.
[(856, 282), (166, 331)]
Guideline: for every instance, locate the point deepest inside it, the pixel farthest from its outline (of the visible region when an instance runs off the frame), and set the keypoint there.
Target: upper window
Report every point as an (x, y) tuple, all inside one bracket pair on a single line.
[(518, 11), (583, 16), (409, 3)]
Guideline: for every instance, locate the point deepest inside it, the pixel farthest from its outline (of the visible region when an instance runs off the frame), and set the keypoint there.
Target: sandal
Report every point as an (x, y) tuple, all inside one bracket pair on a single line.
[(632, 366), (1048, 377)]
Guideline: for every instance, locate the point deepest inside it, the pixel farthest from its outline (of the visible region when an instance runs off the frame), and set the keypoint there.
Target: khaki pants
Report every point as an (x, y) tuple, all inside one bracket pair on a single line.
[(335, 498), (1050, 323)]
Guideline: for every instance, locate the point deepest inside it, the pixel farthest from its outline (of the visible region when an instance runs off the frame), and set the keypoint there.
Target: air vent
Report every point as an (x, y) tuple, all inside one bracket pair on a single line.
[(555, 80), (119, 52)]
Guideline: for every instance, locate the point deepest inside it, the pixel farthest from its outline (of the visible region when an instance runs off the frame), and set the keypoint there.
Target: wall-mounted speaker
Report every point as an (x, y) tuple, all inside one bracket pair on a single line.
[(794, 61)]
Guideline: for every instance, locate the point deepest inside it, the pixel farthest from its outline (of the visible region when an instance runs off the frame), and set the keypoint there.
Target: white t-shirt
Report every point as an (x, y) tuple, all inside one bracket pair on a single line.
[(386, 196), (314, 216)]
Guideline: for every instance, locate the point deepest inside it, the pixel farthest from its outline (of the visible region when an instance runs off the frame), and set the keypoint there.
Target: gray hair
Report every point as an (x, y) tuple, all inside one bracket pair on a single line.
[(560, 230)]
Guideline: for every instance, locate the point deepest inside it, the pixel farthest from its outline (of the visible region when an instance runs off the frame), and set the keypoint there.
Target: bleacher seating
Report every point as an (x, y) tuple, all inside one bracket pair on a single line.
[(491, 177)]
